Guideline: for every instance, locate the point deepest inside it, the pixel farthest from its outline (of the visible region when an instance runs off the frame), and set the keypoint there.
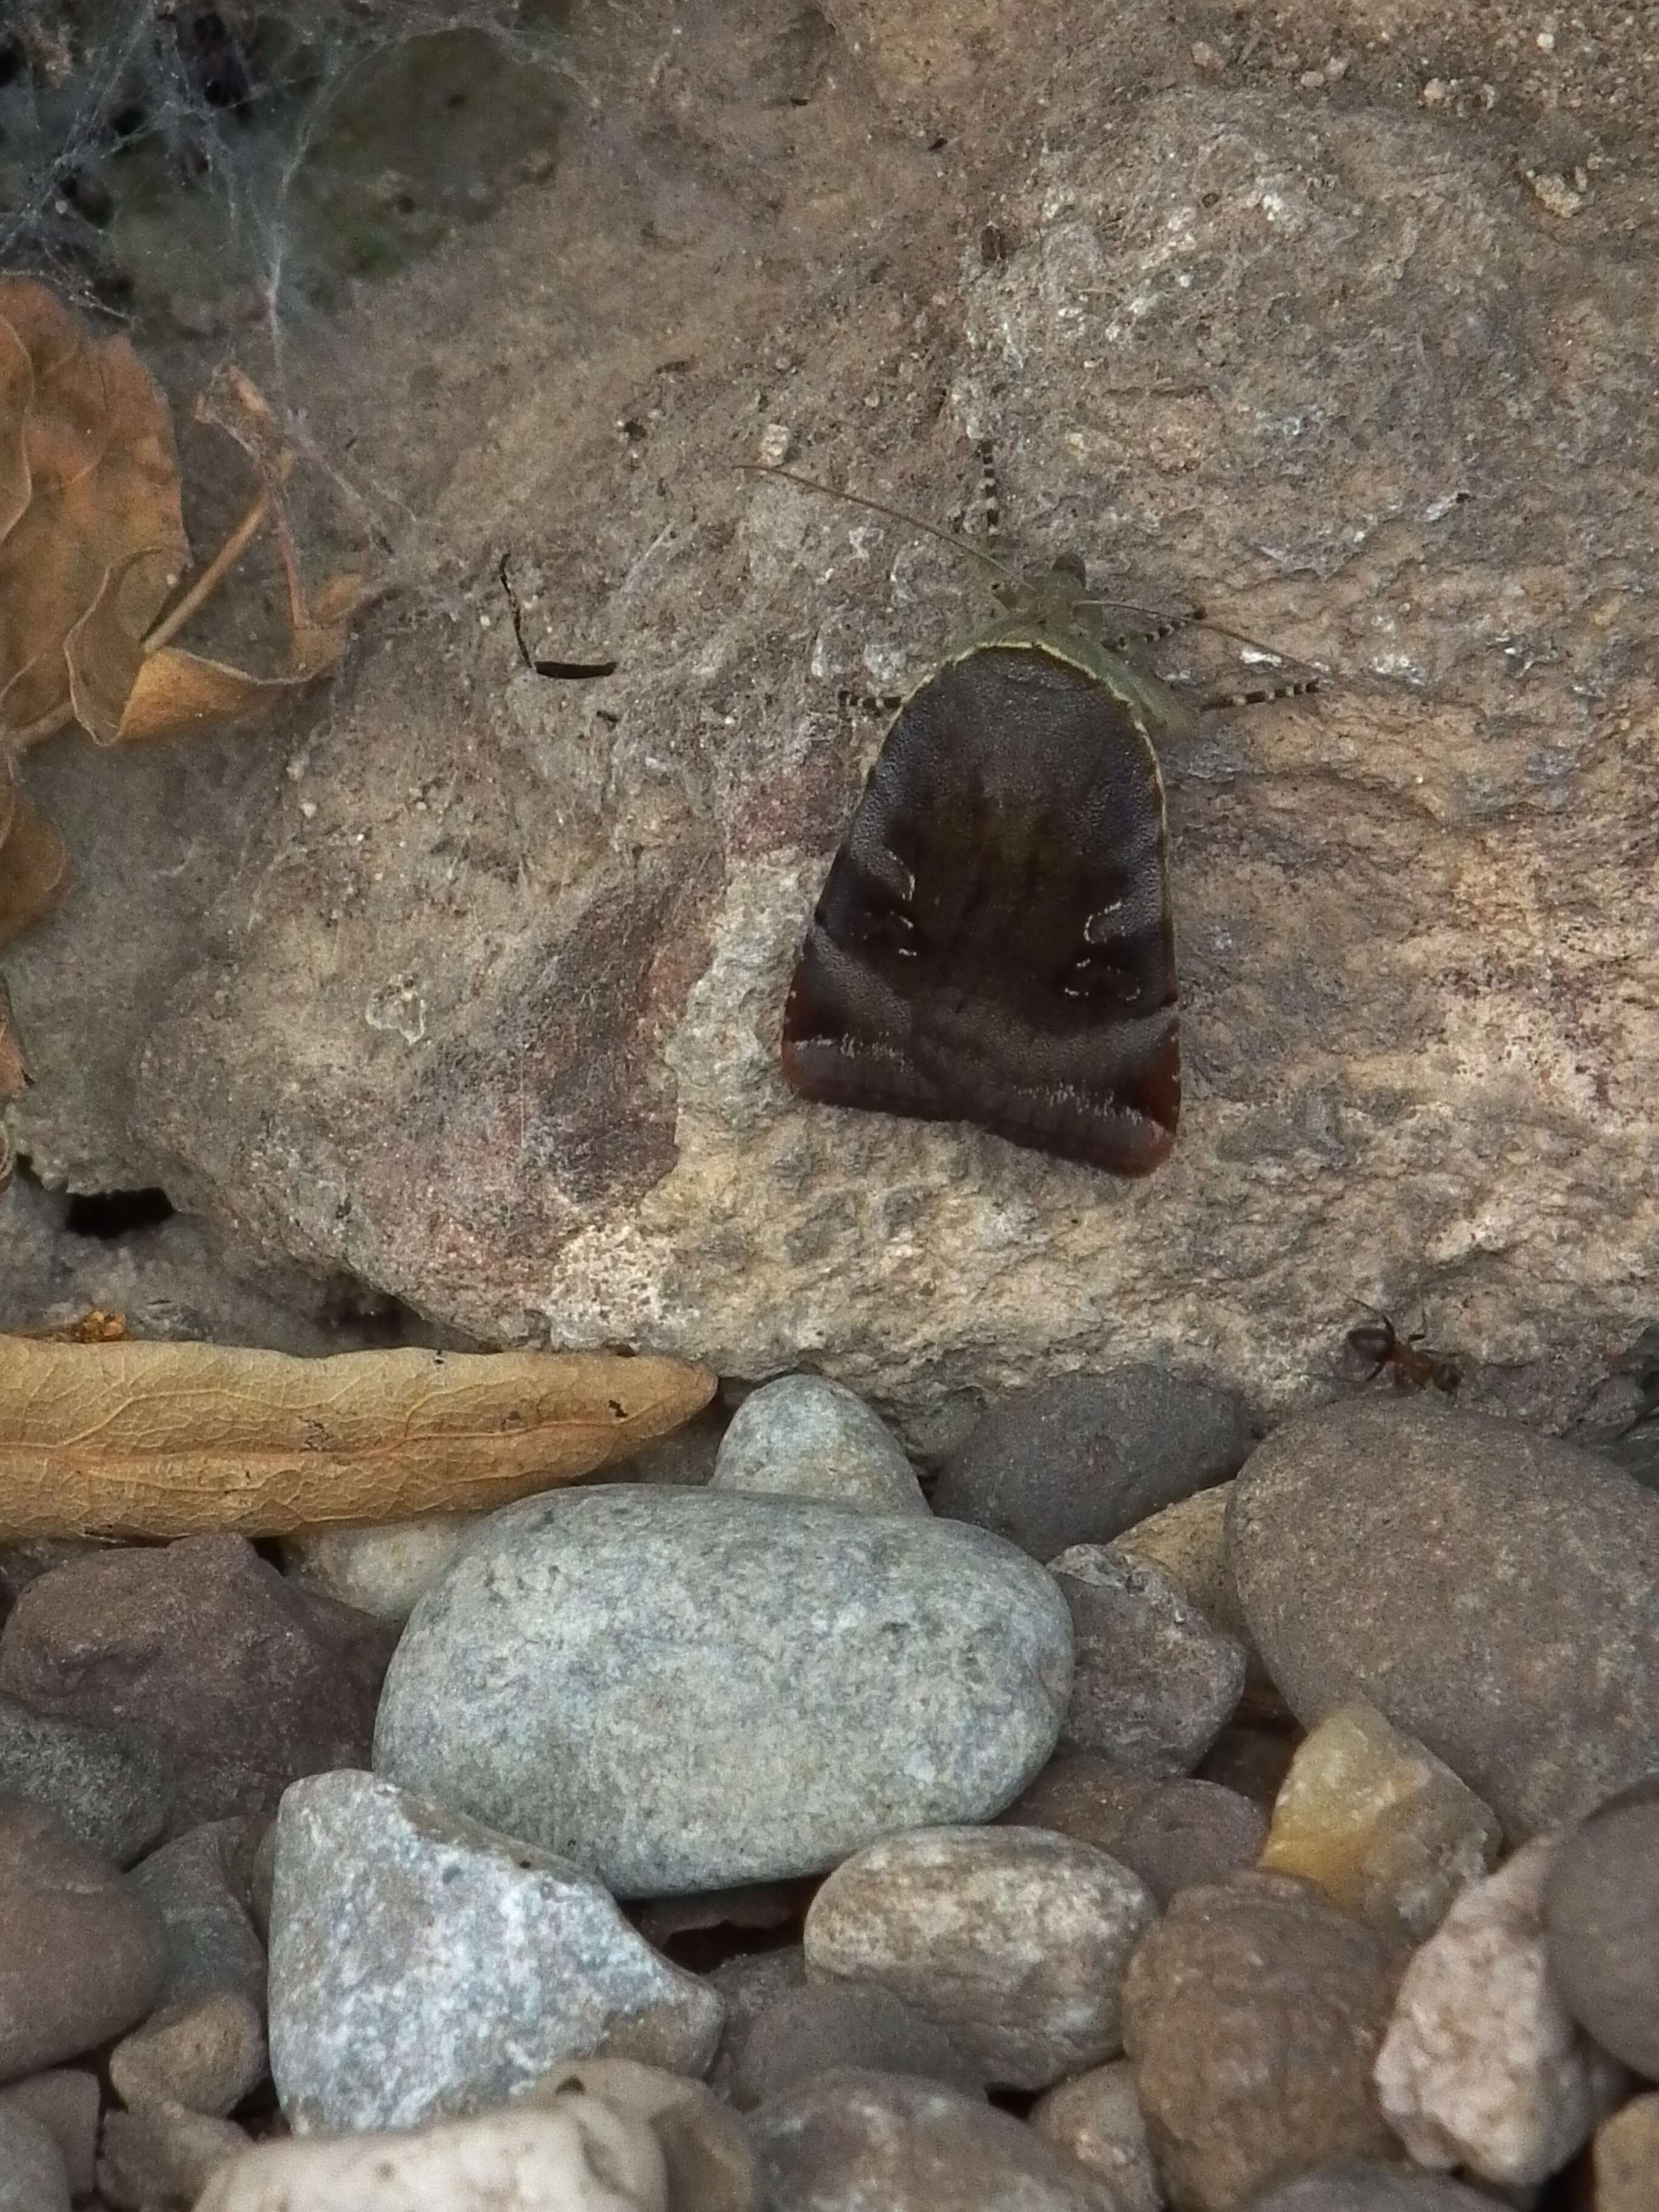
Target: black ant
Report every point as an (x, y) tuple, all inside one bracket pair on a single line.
[(1379, 1341)]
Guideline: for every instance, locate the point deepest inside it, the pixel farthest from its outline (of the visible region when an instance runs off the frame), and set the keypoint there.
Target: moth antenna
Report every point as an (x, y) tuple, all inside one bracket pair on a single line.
[(892, 513)]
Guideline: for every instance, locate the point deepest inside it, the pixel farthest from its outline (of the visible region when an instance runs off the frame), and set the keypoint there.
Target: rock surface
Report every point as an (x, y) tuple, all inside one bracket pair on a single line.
[(422, 1967), (32, 2175), (1482, 2066), (642, 1680), (805, 1436), (1626, 2156), (81, 1955), (107, 1786), (1427, 1561), (382, 1571), (161, 2155), (64, 2101), (198, 1886), (240, 1679), (205, 2054), (1013, 1940), (826, 2025), (1175, 1835), (560, 1111), (1364, 2184), (1384, 1828), (1153, 1683), (1251, 2015), (708, 2163), (584, 2155), (1080, 1460), (1601, 1925), (1097, 2118), (850, 2138)]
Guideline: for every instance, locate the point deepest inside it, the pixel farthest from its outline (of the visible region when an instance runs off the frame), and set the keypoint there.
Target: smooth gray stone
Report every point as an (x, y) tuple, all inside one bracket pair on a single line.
[(422, 1967), (32, 2175), (1154, 1683), (106, 1785), (194, 1884), (1366, 2184), (1428, 1561), (805, 1436), (685, 1690), (1080, 1460), (1601, 1920)]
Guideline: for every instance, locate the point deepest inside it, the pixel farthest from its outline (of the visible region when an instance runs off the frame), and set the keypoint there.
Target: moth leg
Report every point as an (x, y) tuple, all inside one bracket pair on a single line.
[(1151, 625), (869, 702), (1289, 686)]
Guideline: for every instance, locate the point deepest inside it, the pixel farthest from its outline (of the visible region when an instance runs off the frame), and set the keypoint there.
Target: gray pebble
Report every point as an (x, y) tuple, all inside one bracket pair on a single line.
[(1096, 2118), (1366, 2184), (746, 1985), (1429, 1560), (1601, 1921), (805, 1436), (380, 1571), (1013, 1940), (1080, 1460), (64, 2101), (848, 2140), (196, 1886), (32, 2175), (107, 1785), (685, 1690), (1186, 1833), (422, 1967), (826, 2025), (1153, 1683)]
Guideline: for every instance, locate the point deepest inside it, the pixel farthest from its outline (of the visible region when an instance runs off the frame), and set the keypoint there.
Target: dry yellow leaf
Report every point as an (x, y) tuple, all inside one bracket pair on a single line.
[(164, 1440), (89, 493)]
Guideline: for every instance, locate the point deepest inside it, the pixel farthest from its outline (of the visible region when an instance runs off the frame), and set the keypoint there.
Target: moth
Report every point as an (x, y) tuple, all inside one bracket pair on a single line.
[(995, 941), (1411, 1362)]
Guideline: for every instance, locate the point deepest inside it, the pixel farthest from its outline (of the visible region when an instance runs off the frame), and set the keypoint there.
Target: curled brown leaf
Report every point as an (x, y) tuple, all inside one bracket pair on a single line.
[(164, 1440)]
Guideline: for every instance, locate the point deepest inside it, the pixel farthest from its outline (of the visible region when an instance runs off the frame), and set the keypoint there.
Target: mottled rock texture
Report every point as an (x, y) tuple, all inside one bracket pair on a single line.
[(482, 1002)]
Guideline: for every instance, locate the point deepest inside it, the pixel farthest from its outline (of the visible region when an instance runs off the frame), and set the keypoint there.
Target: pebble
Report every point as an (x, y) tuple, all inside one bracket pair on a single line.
[(205, 2054), (162, 2156), (1189, 1540), (1080, 1460), (805, 1436), (1366, 2184), (1153, 1683), (32, 2175), (826, 2025), (707, 2159), (81, 1955), (1601, 1925), (106, 1785), (381, 1571), (422, 1967), (849, 2140), (682, 1690), (955, 1921), (1097, 2118), (64, 2102), (583, 2156), (1429, 1560), (1251, 2015), (1483, 2066), (1175, 1835), (240, 1679), (1186, 1835), (198, 1886), (745, 1985), (1625, 2157), (1379, 1824)]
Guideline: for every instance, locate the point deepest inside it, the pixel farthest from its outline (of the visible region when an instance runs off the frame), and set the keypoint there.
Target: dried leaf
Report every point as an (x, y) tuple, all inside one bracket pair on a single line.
[(89, 491), (163, 1440), (34, 862), (13, 1069)]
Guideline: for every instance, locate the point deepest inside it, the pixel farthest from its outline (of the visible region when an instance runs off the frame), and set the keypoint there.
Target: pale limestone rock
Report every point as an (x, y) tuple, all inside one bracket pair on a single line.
[(1482, 2066)]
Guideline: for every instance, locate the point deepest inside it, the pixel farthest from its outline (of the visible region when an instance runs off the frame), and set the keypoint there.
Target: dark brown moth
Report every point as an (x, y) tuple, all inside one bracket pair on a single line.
[(1414, 1365), (995, 940)]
